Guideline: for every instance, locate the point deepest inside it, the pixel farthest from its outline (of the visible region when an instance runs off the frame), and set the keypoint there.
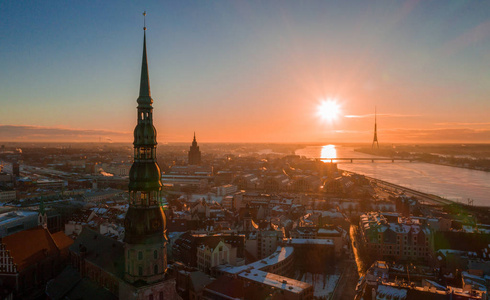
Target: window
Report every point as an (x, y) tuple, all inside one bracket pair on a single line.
[(155, 254), (155, 269), (150, 297), (140, 255), (140, 271)]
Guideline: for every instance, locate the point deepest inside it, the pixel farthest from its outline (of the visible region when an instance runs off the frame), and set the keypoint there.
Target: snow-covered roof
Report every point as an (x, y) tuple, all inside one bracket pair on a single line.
[(276, 281), (389, 292), (311, 241), (279, 255)]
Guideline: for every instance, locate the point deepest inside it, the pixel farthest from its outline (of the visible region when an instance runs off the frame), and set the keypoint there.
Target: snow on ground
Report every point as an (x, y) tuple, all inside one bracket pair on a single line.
[(323, 284)]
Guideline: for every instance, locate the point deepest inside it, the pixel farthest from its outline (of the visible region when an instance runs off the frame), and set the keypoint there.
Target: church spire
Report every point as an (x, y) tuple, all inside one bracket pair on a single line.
[(145, 225), (145, 94)]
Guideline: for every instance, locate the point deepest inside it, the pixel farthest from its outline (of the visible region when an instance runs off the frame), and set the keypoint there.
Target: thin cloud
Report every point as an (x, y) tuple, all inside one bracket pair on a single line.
[(473, 36), (352, 131), (436, 135), (382, 115), (461, 123), (43, 133)]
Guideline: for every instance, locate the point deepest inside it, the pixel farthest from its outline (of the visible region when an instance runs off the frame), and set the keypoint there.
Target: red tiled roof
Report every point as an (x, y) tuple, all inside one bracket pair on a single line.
[(62, 240), (30, 246)]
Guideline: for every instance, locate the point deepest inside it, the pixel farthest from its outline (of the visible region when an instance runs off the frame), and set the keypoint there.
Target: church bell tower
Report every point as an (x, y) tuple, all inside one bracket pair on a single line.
[(145, 229)]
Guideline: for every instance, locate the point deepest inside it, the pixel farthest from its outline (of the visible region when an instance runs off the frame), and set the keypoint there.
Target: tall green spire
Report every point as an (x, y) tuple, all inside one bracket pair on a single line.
[(144, 99), (145, 225)]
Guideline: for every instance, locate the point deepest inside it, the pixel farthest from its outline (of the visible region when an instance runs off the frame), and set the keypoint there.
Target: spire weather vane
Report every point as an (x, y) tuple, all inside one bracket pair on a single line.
[(144, 20)]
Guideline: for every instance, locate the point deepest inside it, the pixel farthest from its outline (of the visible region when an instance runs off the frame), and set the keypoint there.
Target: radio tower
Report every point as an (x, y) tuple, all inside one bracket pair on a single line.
[(375, 139)]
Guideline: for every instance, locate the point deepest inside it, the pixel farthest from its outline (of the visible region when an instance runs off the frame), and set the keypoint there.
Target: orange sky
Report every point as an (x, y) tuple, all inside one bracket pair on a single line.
[(248, 72)]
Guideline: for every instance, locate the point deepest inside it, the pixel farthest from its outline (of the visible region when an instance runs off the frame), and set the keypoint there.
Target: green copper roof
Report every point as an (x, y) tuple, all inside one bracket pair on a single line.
[(144, 98)]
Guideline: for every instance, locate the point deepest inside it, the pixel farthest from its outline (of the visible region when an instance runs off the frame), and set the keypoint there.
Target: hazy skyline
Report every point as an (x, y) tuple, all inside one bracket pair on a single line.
[(236, 71)]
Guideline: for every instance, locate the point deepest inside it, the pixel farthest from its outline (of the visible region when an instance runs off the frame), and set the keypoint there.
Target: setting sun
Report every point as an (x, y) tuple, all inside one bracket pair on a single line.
[(328, 110)]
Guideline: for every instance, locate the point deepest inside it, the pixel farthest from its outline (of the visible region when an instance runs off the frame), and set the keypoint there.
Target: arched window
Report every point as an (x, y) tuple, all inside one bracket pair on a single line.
[(155, 269), (140, 255), (155, 254)]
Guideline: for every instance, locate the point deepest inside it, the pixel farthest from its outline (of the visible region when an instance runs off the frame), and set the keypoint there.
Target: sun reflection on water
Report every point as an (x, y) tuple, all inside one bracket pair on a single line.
[(328, 152)]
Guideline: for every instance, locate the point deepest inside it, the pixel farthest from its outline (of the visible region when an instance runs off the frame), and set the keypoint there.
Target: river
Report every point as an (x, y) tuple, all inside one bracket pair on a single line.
[(452, 183)]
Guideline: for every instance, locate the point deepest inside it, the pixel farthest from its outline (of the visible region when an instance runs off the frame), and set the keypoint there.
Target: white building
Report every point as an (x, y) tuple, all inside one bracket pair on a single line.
[(213, 253), (226, 189), (6, 196)]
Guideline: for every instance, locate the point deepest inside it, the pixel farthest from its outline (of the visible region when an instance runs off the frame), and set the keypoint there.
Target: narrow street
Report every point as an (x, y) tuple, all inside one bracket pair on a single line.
[(358, 251), (346, 287)]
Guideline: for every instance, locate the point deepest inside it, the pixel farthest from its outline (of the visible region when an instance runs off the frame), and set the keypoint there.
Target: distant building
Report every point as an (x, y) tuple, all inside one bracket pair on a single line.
[(267, 275), (7, 196), (314, 254), (195, 181), (15, 221), (276, 183), (226, 189), (389, 236), (188, 245), (305, 183), (6, 179), (380, 283), (228, 202), (268, 241), (191, 283), (332, 233), (16, 169), (99, 196), (118, 169), (194, 153), (50, 183), (213, 253), (247, 182)]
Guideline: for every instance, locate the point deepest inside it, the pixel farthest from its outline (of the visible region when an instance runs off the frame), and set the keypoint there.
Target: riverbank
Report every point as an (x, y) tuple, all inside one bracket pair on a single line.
[(434, 199), (465, 162), (455, 184), (482, 213)]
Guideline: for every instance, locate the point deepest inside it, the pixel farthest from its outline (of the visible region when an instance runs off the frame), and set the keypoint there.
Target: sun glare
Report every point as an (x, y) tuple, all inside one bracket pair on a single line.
[(328, 110), (328, 153)]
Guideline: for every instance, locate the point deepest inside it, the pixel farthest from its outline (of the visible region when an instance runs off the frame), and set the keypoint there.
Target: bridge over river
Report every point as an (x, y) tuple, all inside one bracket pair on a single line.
[(357, 159)]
